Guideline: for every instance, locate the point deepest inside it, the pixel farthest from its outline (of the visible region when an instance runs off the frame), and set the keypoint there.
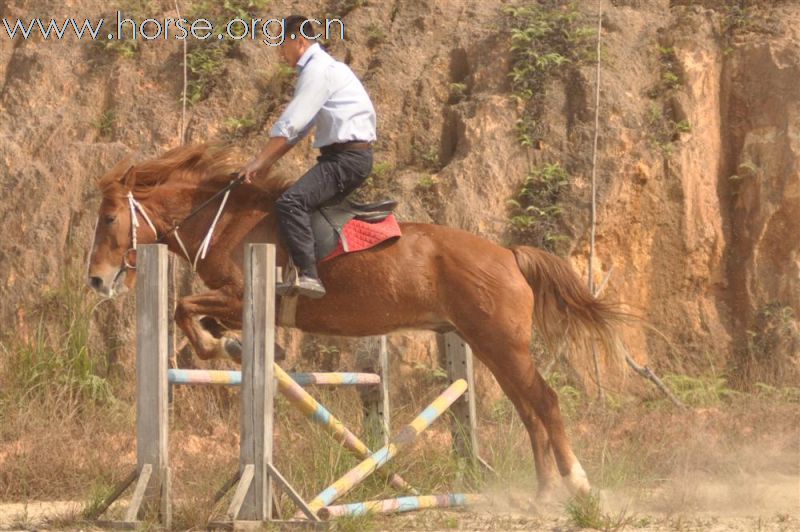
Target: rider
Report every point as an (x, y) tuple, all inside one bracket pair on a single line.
[(328, 95)]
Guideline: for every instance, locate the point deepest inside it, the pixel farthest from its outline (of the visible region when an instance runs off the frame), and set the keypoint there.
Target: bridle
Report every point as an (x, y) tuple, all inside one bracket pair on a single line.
[(135, 206)]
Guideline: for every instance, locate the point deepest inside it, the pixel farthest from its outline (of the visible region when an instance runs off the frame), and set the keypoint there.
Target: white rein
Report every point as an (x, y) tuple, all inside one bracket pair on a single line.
[(204, 245)]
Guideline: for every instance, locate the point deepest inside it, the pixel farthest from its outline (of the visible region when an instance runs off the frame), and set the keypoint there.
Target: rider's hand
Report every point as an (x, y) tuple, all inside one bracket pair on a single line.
[(251, 169)]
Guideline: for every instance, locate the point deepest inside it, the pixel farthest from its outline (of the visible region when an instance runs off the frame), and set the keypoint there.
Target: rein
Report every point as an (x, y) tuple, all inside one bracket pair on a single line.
[(204, 245)]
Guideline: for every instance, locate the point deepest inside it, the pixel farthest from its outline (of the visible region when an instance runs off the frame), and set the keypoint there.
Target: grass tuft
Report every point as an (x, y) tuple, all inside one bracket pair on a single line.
[(58, 367), (772, 346), (105, 123), (360, 523), (97, 495), (586, 511), (703, 391)]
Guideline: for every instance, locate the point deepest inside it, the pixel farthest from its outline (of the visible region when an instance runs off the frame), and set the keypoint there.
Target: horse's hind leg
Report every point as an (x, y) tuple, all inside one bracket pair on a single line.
[(504, 349), (546, 476), (540, 442)]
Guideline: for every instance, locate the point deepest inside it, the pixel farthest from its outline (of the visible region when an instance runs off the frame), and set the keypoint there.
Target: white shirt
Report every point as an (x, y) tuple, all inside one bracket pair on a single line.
[(330, 96)]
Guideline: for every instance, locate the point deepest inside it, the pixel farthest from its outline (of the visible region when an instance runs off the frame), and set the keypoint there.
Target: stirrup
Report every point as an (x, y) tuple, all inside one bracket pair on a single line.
[(289, 282)]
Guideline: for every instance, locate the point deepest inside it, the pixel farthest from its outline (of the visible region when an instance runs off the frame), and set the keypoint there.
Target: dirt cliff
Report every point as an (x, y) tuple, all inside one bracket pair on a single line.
[(699, 190)]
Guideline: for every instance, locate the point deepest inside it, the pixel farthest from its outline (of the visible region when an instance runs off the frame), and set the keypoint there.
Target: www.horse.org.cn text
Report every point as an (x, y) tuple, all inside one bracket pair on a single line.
[(270, 31)]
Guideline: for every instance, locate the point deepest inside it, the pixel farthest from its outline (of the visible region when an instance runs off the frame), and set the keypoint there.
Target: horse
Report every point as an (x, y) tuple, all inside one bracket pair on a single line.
[(433, 277)]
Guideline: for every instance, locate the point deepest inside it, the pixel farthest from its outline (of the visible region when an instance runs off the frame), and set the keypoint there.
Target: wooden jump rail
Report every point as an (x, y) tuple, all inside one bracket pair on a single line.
[(399, 504), (234, 378), (380, 457), (253, 495)]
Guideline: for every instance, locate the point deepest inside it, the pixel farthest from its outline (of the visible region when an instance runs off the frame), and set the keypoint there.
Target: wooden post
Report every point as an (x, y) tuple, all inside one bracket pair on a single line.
[(152, 352), (383, 409), (258, 358), (458, 359), (376, 399)]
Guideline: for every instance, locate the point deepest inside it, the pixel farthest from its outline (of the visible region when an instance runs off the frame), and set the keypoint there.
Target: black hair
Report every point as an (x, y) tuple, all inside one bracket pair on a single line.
[(293, 23)]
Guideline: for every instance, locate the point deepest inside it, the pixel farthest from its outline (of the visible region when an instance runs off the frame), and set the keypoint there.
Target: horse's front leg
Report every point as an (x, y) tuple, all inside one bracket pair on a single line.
[(221, 305)]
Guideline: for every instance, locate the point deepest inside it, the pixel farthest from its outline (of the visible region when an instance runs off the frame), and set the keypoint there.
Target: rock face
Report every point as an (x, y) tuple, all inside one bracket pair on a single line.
[(721, 230), (699, 191)]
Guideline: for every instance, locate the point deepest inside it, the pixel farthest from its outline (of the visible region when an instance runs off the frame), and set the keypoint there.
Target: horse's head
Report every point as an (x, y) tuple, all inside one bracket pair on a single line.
[(171, 183), (111, 260)]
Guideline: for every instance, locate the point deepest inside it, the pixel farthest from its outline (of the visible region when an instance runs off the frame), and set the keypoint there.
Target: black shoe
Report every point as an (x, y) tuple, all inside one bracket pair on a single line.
[(310, 287)]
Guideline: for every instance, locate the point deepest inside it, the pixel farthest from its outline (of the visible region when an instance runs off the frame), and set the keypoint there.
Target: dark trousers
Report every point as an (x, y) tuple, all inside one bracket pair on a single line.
[(334, 176)]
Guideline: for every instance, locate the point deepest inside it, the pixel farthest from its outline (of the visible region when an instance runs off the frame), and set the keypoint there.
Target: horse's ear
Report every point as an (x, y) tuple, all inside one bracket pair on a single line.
[(128, 178)]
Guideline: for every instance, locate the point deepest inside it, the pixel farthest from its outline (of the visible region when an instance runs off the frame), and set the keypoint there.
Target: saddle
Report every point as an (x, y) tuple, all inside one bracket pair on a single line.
[(328, 221), (339, 226)]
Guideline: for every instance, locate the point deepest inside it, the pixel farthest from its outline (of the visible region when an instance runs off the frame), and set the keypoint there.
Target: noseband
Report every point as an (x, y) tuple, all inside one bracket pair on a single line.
[(134, 206)]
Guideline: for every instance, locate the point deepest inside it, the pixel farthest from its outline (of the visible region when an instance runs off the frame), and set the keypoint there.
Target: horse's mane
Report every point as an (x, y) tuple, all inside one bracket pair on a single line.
[(199, 164)]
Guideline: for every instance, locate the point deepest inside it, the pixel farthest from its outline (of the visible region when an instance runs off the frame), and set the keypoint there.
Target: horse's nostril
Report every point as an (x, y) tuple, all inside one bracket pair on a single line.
[(95, 282)]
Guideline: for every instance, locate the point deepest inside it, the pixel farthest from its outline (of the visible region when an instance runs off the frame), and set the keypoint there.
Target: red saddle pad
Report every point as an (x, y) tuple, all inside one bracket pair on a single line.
[(362, 235)]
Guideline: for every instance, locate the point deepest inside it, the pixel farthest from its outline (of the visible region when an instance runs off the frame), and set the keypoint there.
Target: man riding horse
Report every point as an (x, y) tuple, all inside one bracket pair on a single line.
[(329, 96), (433, 277)]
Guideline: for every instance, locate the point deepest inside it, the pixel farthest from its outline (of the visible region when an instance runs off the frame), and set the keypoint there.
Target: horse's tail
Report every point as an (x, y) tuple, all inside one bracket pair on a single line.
[(565, 309)]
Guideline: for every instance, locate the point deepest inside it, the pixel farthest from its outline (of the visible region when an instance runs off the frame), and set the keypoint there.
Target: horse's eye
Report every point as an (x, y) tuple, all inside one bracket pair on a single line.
[(110, 218)]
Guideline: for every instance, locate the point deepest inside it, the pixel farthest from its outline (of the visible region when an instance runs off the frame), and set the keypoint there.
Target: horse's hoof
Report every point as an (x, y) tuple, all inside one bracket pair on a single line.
[(546, 495), (577, 482), (233, 348)]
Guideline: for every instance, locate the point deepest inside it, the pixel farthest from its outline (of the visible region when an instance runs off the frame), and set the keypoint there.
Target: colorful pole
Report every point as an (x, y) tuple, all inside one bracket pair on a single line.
[(335, 379), (204, 376), (400, 504), (402, 439), (319, 414), (234, 378)]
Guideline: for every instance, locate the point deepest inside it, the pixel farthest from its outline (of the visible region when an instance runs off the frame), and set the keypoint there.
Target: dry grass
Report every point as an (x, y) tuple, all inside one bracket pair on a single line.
[(646, 457), (67, 433)]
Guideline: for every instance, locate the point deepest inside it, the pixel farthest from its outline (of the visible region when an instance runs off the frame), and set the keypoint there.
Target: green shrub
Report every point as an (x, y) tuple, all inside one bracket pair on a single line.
[(536, 210), (205, 60), (547, 40), (205, 63), (458, 91), (375, 35), (340, 8), (126, 45), (240, 126), (671, 74), (772, 348), (105, 123), (702, 391), (427, 182), (664, 130)]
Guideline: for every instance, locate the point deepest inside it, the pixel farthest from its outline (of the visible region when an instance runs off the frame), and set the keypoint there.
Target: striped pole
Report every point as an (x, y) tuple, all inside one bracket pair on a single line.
[(319, 414), (204, 376), (234, 378), (402, 439), (400, 504), (335, 379)]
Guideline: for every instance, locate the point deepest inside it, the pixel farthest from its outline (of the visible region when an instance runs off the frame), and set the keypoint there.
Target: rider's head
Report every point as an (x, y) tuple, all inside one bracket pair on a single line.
[(296, 30)]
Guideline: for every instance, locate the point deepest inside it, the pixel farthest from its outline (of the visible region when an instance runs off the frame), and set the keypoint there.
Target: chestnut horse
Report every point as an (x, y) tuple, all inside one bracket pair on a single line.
[(433, 277)]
